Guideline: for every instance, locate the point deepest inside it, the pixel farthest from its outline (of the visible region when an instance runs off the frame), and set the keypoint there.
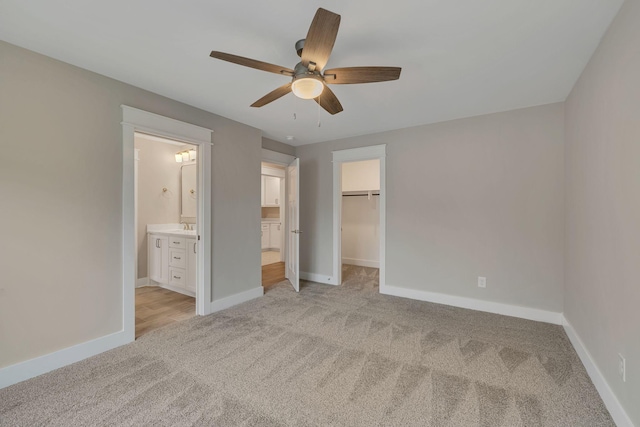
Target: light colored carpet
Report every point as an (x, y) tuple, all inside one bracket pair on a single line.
[(329, 356), (270, 257)]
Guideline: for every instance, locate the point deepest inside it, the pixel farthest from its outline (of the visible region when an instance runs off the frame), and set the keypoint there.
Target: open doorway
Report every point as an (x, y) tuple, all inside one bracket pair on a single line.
[(281, 251), (359, 217), (166, 205), (360, 225), (135, 120)]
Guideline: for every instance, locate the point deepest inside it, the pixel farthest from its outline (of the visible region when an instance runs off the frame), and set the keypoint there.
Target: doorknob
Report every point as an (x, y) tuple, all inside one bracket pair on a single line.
[(296, 231)]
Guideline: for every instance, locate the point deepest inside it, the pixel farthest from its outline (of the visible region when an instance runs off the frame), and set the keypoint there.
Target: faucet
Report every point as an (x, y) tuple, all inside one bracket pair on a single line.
[(186, 225)]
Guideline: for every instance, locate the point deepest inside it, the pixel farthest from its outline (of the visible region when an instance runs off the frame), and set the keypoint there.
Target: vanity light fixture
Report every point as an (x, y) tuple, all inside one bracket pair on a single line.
[(186, 155)]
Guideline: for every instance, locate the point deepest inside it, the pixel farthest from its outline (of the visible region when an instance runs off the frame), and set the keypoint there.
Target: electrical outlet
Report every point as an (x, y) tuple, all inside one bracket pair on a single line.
[(482, 282), (622, 368)]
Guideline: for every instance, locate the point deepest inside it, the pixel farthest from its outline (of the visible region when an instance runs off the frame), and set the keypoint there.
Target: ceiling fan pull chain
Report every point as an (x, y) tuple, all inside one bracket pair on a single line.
[(319, 110)]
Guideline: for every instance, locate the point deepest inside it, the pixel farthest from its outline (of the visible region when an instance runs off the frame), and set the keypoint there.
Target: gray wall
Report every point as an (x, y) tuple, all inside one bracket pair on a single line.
[(278, 146), (602, 282), (481, 196), (62, 202)]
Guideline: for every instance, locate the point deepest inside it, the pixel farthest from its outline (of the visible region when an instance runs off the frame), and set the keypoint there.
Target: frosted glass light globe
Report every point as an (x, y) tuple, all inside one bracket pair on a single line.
[(307, 87)]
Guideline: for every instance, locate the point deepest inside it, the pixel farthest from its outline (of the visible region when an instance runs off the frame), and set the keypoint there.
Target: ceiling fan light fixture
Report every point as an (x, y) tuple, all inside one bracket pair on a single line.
[(307, 87)]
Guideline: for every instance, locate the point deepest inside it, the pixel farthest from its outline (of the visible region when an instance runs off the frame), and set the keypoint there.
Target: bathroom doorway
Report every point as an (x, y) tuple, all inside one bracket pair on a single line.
[(166, 201), (136, 120)]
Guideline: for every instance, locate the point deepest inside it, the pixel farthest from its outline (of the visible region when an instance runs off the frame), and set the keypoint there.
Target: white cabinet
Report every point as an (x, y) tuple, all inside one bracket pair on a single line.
[(158, 264), (266, 234), (172, 262), (177, 277), (177, 258), (271, 235), (177, 242), (275, 236), (271, 191)]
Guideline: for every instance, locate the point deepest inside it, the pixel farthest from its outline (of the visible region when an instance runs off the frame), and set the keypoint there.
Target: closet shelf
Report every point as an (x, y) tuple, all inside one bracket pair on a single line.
[(360, 193)]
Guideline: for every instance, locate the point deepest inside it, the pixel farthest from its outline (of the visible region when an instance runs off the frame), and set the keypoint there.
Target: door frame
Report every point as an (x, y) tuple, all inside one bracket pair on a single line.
[(135, 120), (355, 155), (284, 160)]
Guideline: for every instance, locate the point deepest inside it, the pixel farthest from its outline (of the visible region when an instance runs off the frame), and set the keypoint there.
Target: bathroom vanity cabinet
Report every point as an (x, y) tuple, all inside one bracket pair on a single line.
[(158, 258), (172, 261)]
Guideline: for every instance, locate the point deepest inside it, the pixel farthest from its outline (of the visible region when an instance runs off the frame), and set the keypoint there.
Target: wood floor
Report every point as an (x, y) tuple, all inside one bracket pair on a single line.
[(272, 274), (157, 307)]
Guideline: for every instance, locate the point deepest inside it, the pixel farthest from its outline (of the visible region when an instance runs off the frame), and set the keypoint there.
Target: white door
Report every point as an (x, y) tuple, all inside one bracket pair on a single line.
[(293, 211)]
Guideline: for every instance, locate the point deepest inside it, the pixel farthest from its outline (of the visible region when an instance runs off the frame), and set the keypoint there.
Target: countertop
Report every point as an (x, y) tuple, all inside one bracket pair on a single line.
[(181, 233)]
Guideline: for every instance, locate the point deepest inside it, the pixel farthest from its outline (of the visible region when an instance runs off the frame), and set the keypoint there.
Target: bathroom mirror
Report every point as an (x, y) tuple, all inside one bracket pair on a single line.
[(189, 196)]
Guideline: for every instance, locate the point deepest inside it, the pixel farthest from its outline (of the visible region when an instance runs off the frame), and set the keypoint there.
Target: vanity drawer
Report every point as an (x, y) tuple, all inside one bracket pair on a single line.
[(177, 277), (177, 242), (177, 258)]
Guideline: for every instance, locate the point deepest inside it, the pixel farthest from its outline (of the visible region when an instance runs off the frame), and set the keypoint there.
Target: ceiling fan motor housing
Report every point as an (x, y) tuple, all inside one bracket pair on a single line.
[(300, 46)]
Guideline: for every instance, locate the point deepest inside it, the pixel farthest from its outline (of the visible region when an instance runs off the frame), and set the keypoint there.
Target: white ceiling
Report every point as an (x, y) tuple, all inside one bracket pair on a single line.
[(459, 58)]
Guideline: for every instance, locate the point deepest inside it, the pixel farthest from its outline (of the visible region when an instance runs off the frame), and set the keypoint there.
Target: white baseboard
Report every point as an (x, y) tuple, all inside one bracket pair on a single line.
[(475, 304), (236, 299), (41, 365), (318, 278), (361, 262), (610, 400), (143, 281)]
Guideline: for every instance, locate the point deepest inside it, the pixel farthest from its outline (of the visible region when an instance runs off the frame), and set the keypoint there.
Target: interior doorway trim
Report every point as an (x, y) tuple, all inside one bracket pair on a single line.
[(355, 155), (135, 120)]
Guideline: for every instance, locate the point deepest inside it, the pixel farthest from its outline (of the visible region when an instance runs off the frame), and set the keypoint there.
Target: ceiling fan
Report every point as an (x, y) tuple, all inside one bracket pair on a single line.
[(308, 79)]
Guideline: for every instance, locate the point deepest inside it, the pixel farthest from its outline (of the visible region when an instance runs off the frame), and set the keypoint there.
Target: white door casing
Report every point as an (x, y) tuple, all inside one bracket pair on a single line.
[(293, 211), (135, 120)]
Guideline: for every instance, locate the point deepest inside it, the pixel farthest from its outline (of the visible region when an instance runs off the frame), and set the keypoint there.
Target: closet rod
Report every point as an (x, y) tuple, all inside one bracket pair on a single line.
[(360, 195)]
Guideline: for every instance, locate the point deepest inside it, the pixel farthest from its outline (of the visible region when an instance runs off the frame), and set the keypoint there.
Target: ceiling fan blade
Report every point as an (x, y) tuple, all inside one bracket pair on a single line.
[(252, 63), (351, 75), (329, 101), (273, 95), (320, 38)]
